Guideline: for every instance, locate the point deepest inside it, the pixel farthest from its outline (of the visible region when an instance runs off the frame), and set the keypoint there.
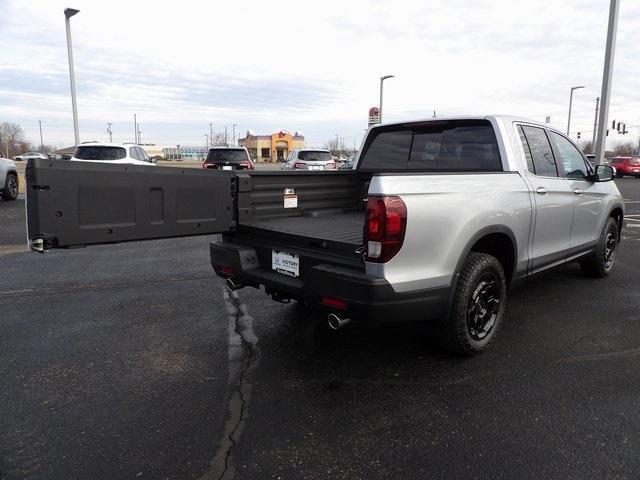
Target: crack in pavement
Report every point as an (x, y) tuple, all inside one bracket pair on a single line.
[(243, 356)]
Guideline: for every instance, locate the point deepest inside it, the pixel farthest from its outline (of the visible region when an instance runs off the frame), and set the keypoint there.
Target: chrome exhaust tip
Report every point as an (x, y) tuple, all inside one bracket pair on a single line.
[(231, 286), (336, 322)]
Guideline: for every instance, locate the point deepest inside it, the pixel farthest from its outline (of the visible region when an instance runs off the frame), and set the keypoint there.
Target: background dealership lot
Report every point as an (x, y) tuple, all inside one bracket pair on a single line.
[(128, 360)]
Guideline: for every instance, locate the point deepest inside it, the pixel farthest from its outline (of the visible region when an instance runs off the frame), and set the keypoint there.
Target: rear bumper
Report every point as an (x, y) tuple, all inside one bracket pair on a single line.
[(366, 298)]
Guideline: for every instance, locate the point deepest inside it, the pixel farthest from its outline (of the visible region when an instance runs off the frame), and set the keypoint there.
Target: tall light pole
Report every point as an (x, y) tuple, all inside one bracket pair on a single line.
[(68, 13), (206, 135), (570, 102), (41, 142), (382, 79), (135, 129), (234, 133), (607, 75), (109, 132)]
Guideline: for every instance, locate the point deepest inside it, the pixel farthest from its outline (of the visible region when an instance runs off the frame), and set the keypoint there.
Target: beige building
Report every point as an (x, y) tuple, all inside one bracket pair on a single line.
[(271, 148)]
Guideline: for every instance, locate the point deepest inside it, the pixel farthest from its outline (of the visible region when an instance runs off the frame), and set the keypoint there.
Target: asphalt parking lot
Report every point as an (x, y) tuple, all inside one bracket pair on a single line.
[(130, 361)]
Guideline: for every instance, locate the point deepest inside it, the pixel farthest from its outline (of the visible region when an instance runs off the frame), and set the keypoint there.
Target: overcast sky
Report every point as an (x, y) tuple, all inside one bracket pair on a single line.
[(307, 66)]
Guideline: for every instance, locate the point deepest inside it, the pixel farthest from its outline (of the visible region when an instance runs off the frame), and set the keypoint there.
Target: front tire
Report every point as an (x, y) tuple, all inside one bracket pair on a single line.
[(478, 305), (10, 191), (600, 263)]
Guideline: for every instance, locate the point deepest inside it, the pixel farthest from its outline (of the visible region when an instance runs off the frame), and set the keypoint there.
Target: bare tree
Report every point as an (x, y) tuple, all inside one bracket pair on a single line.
[(335, 146), (587, 147), (624, 149), (218, 139), (12, 138)]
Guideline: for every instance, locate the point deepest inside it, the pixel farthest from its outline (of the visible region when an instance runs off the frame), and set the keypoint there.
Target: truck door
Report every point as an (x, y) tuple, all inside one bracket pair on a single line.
[(589, 196), (553, 200), (83, 203)]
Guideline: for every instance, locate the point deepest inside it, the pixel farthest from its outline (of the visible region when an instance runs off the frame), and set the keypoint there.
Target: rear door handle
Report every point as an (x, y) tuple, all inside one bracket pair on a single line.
[(541, 191), (577, 191)]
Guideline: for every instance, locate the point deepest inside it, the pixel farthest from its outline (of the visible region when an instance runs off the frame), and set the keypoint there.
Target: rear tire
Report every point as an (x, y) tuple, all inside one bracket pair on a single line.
[(600, 263), (10, 191), (478, 305)]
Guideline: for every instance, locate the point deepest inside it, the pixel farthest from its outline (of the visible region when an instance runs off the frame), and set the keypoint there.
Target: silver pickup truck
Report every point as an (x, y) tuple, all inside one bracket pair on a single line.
[(437, 221)]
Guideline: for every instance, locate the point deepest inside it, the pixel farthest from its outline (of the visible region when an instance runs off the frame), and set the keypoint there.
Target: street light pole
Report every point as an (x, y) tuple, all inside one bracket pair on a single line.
[(570, 102), (382, 79), (135, 129), (607, 75), (206, 135), (68, 13), (41, 142), (595, 126), (109, 131), (234, 134)]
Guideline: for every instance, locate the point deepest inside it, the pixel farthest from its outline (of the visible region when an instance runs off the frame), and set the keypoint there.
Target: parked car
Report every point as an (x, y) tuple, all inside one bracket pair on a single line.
[(30, 155), (54, 156), (456, 211), (228, 158), (8, 179), (349, 163), (626, 166), (310, 159), (111, 153)]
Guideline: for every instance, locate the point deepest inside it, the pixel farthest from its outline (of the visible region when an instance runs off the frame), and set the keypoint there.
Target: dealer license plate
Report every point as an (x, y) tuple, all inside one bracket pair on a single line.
[(285, 263)]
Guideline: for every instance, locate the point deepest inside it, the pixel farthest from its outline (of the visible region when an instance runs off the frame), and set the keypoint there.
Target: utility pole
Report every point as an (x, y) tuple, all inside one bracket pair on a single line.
[(607, 76), (109, 132), (595, 125), (225, 136), (41, 142), (206, 135), (211, 133), (234, 133), (139, 136), (135, 129)]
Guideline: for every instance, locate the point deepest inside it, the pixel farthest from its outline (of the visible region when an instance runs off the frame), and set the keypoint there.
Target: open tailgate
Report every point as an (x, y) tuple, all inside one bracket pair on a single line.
[(80, 203)]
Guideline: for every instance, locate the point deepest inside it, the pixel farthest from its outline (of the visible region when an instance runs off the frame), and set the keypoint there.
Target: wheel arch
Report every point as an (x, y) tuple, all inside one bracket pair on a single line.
[(617, 213), (496, 240)]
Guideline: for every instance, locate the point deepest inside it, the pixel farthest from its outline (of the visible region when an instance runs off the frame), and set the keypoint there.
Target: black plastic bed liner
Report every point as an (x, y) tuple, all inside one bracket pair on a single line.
[(340, 227)]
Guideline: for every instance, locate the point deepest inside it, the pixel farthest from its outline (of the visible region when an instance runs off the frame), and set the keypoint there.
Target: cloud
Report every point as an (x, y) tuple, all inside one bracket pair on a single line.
[(312, 66)]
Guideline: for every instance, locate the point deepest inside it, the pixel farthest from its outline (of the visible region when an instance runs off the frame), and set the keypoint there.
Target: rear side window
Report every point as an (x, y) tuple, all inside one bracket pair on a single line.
[(226, 155), (538, 152), (440, 146), (100, 153)]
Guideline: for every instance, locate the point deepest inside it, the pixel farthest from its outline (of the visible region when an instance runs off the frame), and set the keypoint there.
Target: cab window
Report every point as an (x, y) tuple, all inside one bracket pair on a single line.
[(540, 159), (570, 157)]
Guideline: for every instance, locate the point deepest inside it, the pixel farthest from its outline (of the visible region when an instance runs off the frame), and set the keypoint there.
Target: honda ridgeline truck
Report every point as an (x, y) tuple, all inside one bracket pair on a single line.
[(436, 222)]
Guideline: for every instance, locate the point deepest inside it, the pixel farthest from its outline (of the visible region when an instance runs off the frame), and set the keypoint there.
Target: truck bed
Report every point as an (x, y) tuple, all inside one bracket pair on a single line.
[(340, 226)]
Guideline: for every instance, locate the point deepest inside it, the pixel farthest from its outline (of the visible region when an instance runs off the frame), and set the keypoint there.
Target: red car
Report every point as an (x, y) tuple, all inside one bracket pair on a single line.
[(228, 158), (626, 166)]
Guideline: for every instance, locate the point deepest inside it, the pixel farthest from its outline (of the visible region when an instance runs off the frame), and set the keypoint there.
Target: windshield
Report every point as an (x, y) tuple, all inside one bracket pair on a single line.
[(224, 155), (314, 156), (440, 146), (100, 153)]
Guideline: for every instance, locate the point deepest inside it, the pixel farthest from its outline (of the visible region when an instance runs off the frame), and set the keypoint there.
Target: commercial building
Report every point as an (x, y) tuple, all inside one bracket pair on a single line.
[(271, 148)]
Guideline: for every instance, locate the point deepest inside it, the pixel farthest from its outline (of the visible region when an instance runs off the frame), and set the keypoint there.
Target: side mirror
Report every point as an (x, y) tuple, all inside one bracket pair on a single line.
[(604, 173)]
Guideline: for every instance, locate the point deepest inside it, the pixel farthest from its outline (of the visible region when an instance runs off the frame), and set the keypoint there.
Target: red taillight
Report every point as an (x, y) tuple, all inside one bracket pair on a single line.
[(334, 303), (332, 165), (204, 164), (386, 224), (226, 270), (297, 165)]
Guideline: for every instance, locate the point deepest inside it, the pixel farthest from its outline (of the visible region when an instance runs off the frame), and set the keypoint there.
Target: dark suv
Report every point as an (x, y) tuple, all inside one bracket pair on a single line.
[(228, 158)]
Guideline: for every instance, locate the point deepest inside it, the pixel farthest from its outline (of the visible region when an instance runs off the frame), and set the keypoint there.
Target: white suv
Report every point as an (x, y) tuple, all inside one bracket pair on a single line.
[(310, 159), (112, 153)]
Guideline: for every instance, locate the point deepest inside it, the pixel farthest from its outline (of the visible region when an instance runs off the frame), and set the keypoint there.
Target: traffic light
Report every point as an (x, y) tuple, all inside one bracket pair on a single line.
[(618, 129), (613, 125), (607, 132), (578, 135), (624, 129)]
